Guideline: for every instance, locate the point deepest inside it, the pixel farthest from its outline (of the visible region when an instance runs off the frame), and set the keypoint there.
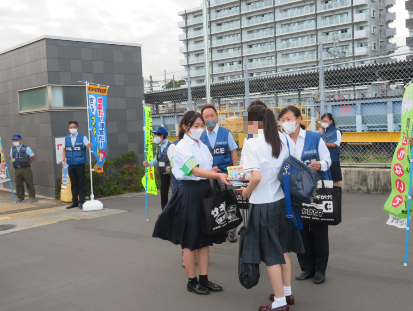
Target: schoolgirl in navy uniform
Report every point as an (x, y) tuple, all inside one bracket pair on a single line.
[(310, 148), (180, 222)]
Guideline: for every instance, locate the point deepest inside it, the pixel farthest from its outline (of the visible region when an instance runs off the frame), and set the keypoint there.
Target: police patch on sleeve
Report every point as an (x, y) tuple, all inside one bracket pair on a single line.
[(189, 166)]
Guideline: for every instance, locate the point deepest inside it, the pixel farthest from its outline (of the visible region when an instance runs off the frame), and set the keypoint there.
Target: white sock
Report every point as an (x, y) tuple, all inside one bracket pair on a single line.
[(287, 290), (279, 302)]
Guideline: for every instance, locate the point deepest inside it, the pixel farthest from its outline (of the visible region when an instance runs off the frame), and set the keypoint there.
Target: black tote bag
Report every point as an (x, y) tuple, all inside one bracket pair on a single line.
[(248, 273), (220, 212), (325, 209)]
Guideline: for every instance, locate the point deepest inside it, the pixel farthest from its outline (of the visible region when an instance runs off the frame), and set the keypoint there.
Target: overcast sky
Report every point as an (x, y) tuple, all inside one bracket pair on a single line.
[(149, 22)]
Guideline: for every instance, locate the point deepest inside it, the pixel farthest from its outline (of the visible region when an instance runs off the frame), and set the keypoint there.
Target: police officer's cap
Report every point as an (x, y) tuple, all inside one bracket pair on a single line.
[(161, 130), (16, 137)]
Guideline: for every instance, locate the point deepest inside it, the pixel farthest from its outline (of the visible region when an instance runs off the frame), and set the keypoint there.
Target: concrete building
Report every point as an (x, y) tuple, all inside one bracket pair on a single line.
[(282, 35), (40, 92)]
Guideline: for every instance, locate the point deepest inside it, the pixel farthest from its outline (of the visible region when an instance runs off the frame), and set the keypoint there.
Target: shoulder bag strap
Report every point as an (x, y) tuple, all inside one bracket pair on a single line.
[(288, 144), (288, 206)]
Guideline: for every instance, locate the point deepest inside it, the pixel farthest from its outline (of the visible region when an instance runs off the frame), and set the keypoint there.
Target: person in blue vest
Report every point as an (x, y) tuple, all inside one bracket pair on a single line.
[(74, 155), (328, 126), (222, 146), (161, 139), (22, 157), (310, 148)]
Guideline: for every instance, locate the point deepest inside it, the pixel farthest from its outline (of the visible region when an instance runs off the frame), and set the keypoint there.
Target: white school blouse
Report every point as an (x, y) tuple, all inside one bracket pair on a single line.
[(257, 155), (189, 154)]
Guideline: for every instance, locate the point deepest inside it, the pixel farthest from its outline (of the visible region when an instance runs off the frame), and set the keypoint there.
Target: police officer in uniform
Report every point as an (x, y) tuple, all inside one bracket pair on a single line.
[(22, 157), (74, 154), (162, 160), (222, 146)]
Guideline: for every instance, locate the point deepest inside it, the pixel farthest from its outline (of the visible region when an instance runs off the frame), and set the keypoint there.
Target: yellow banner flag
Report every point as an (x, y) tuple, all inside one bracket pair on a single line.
[(150, 171)]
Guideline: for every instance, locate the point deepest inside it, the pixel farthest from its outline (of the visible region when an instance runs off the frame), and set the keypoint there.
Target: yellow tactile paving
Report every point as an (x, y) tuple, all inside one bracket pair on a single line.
[(45, 220), (4, 207), (30, 213), (71, 217), (4, 218)]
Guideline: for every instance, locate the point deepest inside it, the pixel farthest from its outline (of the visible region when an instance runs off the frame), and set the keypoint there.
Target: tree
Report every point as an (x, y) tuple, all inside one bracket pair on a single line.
[(170, 84)]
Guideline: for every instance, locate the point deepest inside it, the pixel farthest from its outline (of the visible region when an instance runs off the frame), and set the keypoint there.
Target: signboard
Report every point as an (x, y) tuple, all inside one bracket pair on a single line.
[(150, 171), (97, 100), (3, 168), (59, 143), (396, 204)]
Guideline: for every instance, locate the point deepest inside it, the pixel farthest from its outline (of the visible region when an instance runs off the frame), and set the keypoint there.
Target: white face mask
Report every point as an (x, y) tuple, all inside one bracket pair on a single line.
[(73, 131), (16, 143), (157, 140), (196, 133), (324, 125), (289, 127)]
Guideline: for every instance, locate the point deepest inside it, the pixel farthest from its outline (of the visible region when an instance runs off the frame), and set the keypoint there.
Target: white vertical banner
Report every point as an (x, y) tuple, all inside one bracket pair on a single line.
[(59, 145)]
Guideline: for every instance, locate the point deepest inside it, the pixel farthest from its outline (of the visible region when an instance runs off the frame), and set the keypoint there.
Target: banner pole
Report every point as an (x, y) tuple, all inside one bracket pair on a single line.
[(92, 196), (8, 174), (406, 248), (144, 150)]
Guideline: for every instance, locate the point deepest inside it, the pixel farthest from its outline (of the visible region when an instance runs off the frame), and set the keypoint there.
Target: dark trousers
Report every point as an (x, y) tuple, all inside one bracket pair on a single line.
[(24, 175), (315, 239), (77, 179), (165, 183)]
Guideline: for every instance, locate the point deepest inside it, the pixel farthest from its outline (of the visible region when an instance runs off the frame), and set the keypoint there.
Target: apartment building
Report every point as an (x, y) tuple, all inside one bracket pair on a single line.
[(409, 23), (283, 35)]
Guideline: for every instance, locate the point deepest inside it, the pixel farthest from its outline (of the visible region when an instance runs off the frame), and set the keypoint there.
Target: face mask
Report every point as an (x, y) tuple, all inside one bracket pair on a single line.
[(16, 143), (73, 131), (196, 133), (157, 140), (211, 123), (289, 127), (324, 125)]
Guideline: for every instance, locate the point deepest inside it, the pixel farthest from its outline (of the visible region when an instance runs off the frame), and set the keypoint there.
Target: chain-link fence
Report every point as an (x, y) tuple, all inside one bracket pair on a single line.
[(364, 96)]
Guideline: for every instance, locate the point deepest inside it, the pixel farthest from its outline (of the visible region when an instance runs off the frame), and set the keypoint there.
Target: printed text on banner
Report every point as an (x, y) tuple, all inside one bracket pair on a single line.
[(150, 171)]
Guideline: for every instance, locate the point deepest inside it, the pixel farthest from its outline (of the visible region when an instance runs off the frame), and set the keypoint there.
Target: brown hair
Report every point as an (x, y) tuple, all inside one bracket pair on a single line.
[(188, 119), (295, 111), (208, 106), (266, 116)]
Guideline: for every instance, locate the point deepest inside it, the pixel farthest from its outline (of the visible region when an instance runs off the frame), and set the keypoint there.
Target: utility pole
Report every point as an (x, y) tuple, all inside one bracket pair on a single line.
[(150, 83), (165, 77), (173, 81), (206, 52)]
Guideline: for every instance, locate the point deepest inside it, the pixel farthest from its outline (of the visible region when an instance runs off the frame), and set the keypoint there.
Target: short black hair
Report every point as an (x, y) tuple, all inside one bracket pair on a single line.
[(258, 103), (73, 122), (208, 106), (161, 135)]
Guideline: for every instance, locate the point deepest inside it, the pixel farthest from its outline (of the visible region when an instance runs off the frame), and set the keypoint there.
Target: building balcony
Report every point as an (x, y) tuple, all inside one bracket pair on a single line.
[(334, 21), (224, 14), (199, 72), (333, 5), (225, 41), (360, 17), (297, 59), (259, 49), (294, 13), (363, 50), (361, 34), (409, 23), (183, 62), (228, 54), (258, 35), (391, 47), (226, 78), (225, 27), (409, 5), (337, 36), (261, 63), (296, 43), (181, 24), (390, 17), (182, 49), (219, 2), (257, 21), (198, 46), (256, 6), (409, 41), (182, 36), (196, 33), (196, 59), (342, 54), (296, 28), (196, 20), (390, 3), (236, 67), (391, 32), (360, 2), (281, 2)]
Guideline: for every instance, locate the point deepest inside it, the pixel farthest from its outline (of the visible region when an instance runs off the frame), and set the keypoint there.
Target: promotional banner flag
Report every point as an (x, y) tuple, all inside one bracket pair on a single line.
[(149, 153), (3, 169), (97, 99), (396, 204)]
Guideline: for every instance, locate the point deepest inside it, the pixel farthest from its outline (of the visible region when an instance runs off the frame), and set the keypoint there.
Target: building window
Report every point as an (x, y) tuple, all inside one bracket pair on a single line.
[(373, 13), (68, 96), (34, 99)]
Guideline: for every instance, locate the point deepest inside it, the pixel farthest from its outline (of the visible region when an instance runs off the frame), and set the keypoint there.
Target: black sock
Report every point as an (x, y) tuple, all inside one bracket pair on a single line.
[(203, 279), (193, 281)]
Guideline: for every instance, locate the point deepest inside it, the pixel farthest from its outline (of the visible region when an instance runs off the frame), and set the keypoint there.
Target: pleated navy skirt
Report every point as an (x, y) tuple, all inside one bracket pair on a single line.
[(269, 235), (181, 220)]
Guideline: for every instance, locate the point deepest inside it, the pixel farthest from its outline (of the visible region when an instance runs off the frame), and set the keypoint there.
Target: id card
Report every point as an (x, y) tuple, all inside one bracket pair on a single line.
[(168, 170), (13, 159), (161, 164)]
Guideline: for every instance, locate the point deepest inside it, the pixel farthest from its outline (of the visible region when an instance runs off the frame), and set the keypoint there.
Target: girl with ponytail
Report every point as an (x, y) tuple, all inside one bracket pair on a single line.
[(269, 237)]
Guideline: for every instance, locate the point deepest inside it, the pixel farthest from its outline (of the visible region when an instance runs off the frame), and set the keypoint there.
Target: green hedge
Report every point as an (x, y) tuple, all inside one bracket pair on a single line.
[(119, 176)]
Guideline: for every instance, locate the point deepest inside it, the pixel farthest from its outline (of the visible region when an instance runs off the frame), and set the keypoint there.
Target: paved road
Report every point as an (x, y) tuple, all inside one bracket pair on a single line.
[(112, 263)]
